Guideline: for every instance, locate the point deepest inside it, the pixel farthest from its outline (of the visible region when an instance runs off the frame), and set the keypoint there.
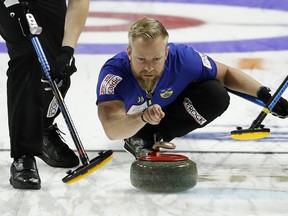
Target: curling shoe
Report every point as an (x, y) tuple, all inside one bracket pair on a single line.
[(56, 152), (24, 173), (139, 147)]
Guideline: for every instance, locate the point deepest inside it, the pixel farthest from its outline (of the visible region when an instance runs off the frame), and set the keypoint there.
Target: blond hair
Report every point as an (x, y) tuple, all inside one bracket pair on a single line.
[(148, 29)]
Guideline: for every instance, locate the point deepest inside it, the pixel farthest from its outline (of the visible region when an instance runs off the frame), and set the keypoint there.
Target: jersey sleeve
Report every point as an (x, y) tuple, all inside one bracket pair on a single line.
[(110, 85), (208, 67)]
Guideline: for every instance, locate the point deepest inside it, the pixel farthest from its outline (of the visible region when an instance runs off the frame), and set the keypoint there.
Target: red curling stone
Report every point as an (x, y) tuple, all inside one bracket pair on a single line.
[(160, 172)]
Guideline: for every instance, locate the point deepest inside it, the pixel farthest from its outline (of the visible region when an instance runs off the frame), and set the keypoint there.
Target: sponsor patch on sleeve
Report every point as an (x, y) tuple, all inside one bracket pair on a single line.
[(109, 84), (205, 60)]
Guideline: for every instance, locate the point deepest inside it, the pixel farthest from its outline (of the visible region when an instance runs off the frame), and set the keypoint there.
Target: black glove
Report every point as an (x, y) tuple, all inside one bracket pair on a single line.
[(281, 107), (16, 11), (65, 63)]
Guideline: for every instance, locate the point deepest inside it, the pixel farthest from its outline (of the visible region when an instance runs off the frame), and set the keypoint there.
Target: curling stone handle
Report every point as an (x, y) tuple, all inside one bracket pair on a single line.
[(162, 144)]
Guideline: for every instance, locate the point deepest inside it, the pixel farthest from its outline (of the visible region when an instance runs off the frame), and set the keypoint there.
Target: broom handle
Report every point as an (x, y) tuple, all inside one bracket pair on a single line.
[(36, 30), (270, 105)]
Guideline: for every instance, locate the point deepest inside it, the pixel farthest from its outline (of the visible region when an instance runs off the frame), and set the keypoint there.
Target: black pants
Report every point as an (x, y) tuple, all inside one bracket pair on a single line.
[(28, 103), (198, 105)]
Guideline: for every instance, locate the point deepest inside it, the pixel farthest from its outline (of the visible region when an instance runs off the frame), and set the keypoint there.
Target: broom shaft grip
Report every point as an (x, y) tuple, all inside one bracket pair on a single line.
[(270, 105)]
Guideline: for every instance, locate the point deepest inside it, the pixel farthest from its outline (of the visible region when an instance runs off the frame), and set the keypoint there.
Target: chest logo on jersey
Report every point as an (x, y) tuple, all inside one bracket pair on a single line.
[(109, 84), (165, 93), (140, 99)]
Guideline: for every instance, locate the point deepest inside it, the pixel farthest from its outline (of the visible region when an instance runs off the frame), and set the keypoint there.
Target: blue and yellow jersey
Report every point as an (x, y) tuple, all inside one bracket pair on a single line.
[(183, 66)]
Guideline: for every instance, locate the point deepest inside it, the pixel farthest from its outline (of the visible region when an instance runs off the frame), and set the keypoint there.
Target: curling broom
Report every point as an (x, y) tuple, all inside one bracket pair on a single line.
[(257, 130), (88, 166)]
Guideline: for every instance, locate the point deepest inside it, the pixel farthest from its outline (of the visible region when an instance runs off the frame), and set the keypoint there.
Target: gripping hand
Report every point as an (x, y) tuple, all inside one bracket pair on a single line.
[(281, 107), (65, 63), (16, 12)]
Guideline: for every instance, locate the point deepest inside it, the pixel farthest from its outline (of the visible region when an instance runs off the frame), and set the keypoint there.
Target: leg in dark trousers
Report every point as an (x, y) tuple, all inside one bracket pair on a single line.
[(24, 90), (28, 103), (31, 109)]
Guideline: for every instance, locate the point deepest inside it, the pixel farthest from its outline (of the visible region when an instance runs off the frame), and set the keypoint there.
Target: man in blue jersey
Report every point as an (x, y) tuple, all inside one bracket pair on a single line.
[(158, 90)]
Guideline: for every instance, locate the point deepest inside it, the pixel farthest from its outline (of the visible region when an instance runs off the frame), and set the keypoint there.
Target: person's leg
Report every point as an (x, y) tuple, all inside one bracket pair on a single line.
[(197, 106), (24, 101), (24, 97), (51, 17)]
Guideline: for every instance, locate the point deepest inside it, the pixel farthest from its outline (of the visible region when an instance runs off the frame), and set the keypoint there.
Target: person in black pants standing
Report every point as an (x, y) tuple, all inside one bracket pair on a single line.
[(32, 107)]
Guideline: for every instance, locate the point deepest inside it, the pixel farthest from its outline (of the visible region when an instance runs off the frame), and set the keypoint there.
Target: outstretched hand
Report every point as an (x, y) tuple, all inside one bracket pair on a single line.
[(153, 114), (281, 107)]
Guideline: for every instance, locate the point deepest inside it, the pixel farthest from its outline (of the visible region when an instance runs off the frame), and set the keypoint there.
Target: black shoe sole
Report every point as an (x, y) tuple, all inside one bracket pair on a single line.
[(58, 164), (17, 185), (131, 151)]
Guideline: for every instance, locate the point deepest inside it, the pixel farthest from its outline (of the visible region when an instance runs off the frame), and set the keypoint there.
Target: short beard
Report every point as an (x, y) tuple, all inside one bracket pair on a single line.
[(148, 85)]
